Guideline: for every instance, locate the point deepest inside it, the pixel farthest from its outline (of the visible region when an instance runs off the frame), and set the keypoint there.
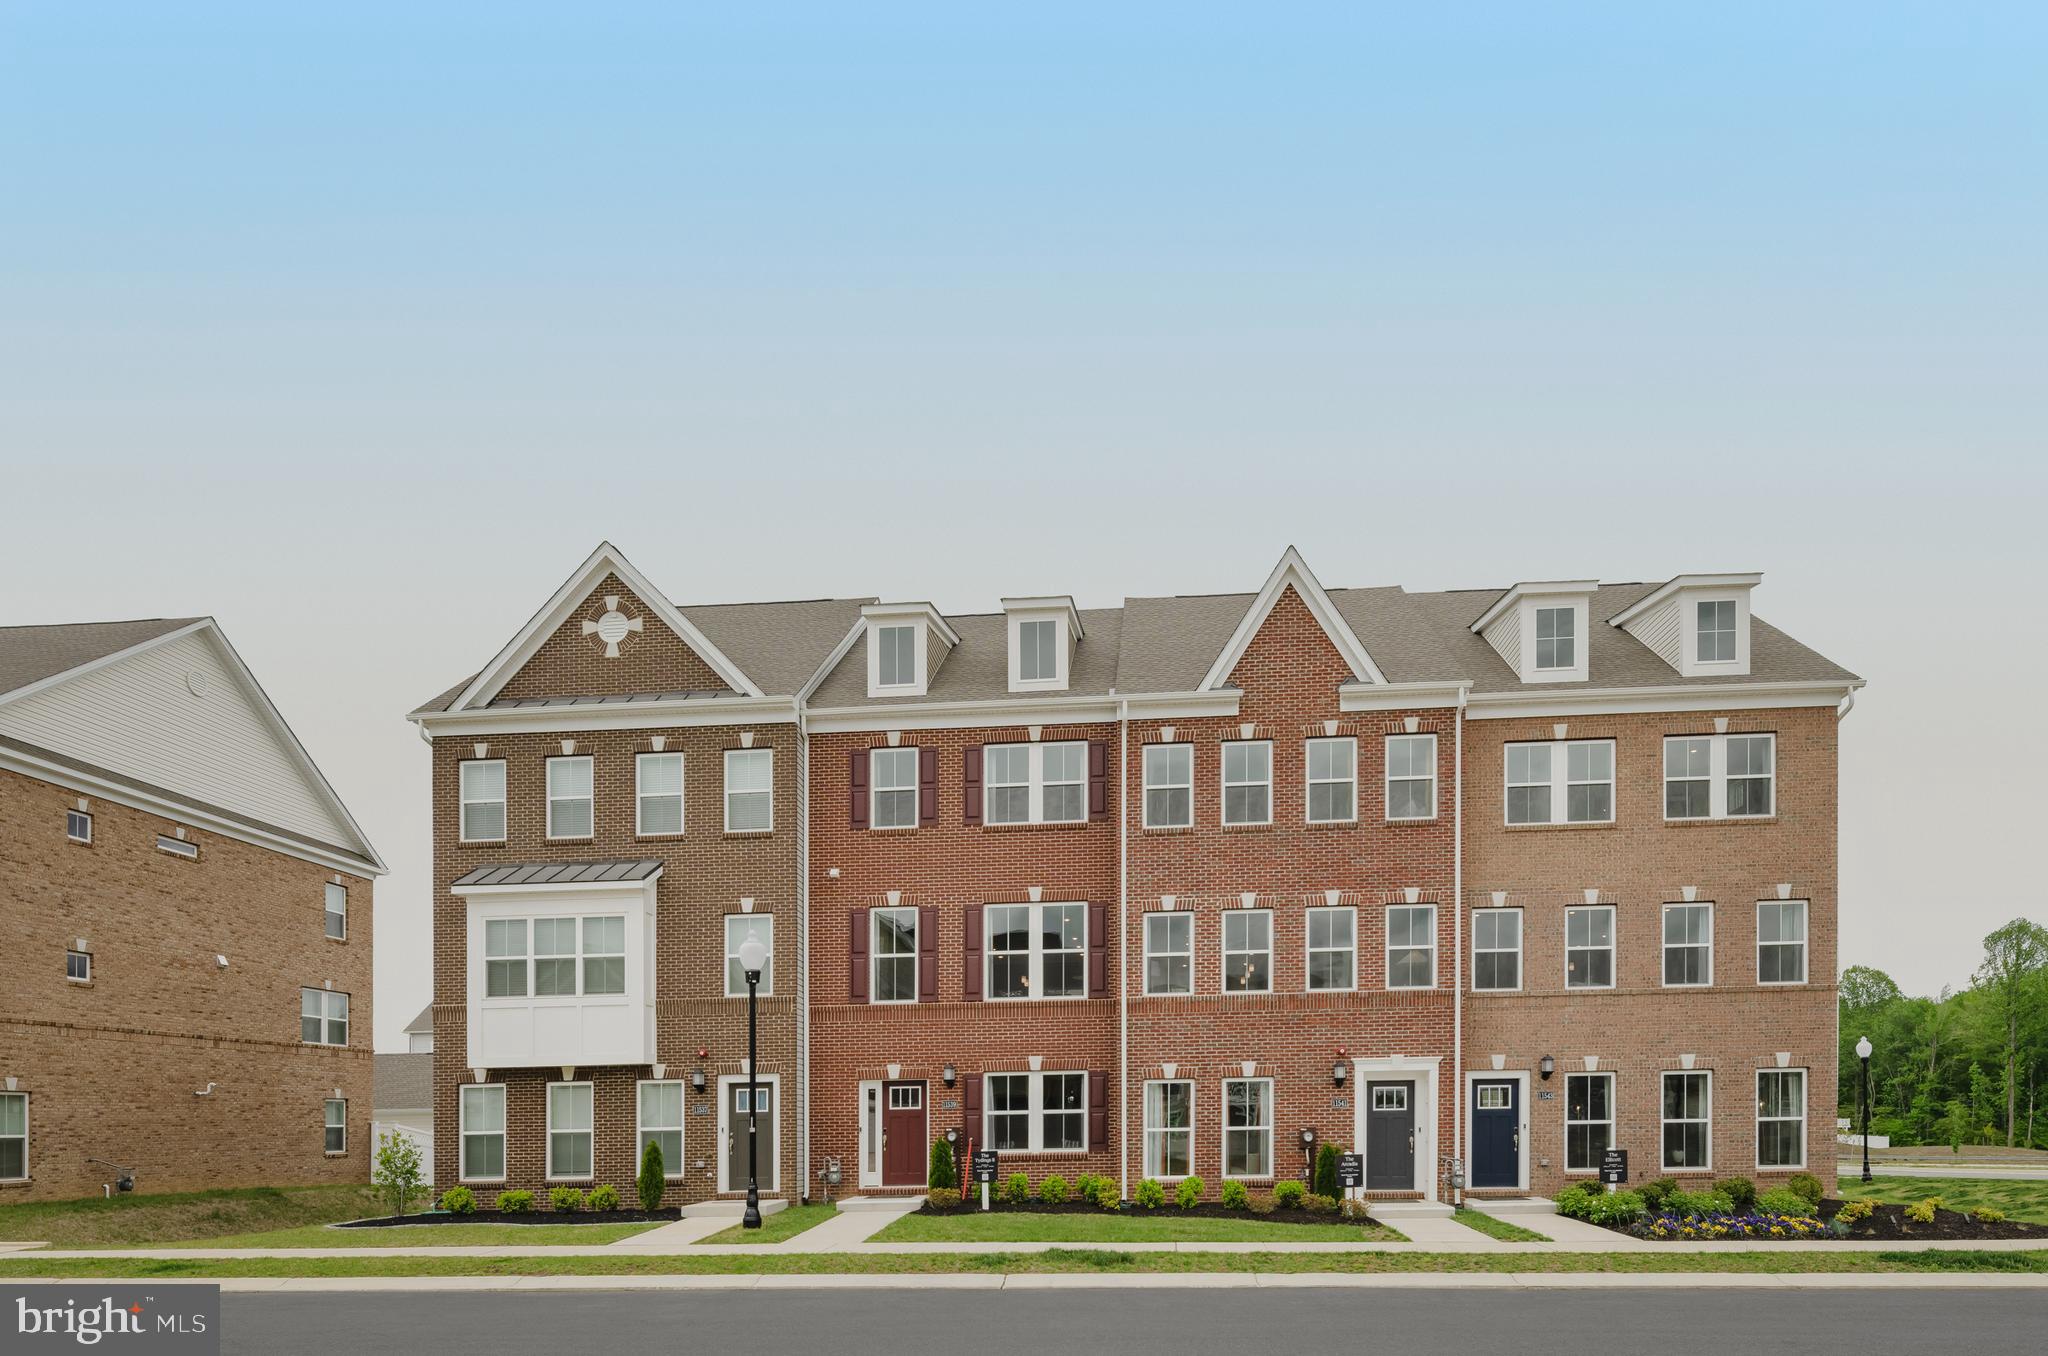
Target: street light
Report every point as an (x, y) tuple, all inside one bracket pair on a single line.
[(752, 956), (1863, 1053)]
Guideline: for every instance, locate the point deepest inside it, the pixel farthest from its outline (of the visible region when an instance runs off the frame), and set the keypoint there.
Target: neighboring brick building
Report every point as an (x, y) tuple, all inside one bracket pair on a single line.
[(1190, 886), (187, 924)]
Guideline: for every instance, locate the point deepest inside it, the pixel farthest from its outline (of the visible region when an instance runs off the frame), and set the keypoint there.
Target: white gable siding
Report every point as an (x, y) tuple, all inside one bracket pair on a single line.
[(138, 717), (1505, 635), (1658, 628)]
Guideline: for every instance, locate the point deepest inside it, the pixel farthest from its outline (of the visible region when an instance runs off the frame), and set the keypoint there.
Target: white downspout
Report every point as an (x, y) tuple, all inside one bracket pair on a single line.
[(803, 949), (1123, 938), (1458, 946)]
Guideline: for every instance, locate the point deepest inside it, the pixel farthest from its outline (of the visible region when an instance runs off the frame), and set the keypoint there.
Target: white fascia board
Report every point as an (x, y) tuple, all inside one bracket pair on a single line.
[(832, 660), (1627, 700), (1398, 696), (1292, 569), (1062, 603), (99, 788), (1532, 589), (924, 612), (609, 716), (643, 886), (1012, 712), (42, 684), (605, 559), (1678, 583)]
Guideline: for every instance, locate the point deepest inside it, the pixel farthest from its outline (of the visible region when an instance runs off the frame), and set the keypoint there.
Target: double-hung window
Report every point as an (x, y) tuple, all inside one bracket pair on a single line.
[(482, 794), (1169, 953), (570, 804), (78, 826), (557, 958), (1036, 950), (505, 957), (1588, 1120), (1716, 634), (1036, 1112), (1688, 945), (1497, 949), (1332, 781), (604, 955), (659, 795), (554, 958), (569, 1129), (1038, 651), (1169, 1129), (1248, 951), (1781, 941), (739, 927), (1720, 776), (1035, 783), (1169, 786), (893, 955), (337, 911), (1411, 776), (13, 1136), (1332, 948), (892, 775), (1411, 946), (661, 1122), (1248, 1127), (1688, 1117), (749, 790), (1567, 782), (1248, 781), (78, 966), (335, 1117), (323, 1017), (896, 656), (1557, 638), (1781, 1118), (483, 1132), (1589, 947)]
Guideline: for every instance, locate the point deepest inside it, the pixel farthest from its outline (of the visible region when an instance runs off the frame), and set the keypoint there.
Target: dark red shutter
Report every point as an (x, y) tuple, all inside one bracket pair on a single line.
[(970, 958), (857, 782), (1098, 1109), (927, 952), (1098, 951), (970, 784), (857, 957), (970, 1107), (1098, 779), (927, 786)]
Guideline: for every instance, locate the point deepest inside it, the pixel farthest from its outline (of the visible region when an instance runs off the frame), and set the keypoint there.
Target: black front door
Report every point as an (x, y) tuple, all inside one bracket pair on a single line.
[(1390, 1137), (1496, 1134)]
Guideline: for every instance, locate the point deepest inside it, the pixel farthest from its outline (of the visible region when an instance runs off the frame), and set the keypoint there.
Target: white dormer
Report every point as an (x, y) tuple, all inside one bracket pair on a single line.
[(906, 644), (1696, 623), (1043, 634), (1540, 629)]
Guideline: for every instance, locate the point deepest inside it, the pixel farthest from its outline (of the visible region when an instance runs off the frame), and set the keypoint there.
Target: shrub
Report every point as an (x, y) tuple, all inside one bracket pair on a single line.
[(565, 1200), (1741, 1193), (1355, 1209), (1085, 1184), (1236, 1197), (1054, 1190), (1684, 1203), (1852, 1211), (1989, 1214), (1807, 1185), (941, 1200), (1617, 1208), (1149, 1195), (1326, 1170), (1782, 1201), (1287, 1195), (939, 1176), (1016, 1189), (1576, 1200), (459, 1200), (1189, 1192), (514, 1202), (399, 1172), (1655, 1192), (1105, 1194), (1922, 1212), (648, 1186), (1317, 1203), (1262, 1205), (605, 1197)]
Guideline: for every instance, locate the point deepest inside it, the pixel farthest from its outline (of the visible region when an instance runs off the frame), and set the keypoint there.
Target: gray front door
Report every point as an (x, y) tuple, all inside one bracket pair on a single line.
[(1390, 1137), (736, 1136)]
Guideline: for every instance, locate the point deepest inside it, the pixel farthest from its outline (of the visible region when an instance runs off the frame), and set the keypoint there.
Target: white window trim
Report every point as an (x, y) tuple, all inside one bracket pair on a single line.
[(1062, 650), (326, 1015), (1708, 1121), (326, 1125), (1035, 1099), (26, 1127), (1191, 1130), (875, 787), (1310, 782), (1521, 961), (70, 978), (1308, 950), (1803, 1119), (463, 801), (463, 1132), (640, 795), (328, 911), (1388, 779), (1578, 637), (1149, 786), (875, 956), (548, 788), (670, 1172), (767, 986), (1387, 939), (729, 792), (1224, 1129), (1805, 944), (1610, 1122), (1223, 784), (913, 685), (75, 816), (1035, 783), (1146, 953), (1689, 662), (1035, 966), (548, 1107), (1613, 947), (1667, 945), (1223, 940), (177, 847), (1561, 783), (1717, 776)]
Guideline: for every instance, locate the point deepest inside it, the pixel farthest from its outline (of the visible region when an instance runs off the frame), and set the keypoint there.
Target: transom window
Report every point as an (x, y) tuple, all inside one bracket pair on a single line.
[(1332, 948), (1688, 945), (1688, 1120), (1720, 776), (569, 1129), (893, 777), (1411, 946), (1169, 953), (739, 927), (893, 956), (1248, 1127), (1169, 1129), (1169, 786), (660, 1121), (1497, 949), (177, 847), (336, 1123), (1248, 951), (1248, 782), (569, 798), (1781, 941), (482, 794), (1568, 782), (1781, 1118), (1035, 783), (1717, 631), (483, 1132), (659, 794), (337, 911), (1589, 947), (749, 790), (323, 1017), (78, 966), (1411, 776), (1037, 1113), (896, 656), (1332, 781), (1588, 1120), (78, 826), (1557, 638), (1038, 651), (1048, 960)]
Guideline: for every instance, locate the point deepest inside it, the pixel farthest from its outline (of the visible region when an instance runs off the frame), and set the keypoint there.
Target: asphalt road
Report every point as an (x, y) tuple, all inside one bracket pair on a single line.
[(1136, 1322)]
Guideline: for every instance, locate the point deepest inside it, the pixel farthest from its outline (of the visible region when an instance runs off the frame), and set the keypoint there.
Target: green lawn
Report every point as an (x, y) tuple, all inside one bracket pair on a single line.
[(2019, 1200), (427, 1236), (134, 1221), (1026, 1226), (1498, 1228), (785, 1223)]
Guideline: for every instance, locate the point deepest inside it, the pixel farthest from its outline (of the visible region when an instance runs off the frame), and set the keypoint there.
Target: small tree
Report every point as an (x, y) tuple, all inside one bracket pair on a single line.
[(398, 1169), (650, 1184), (940, 1173), (1326, 1170)]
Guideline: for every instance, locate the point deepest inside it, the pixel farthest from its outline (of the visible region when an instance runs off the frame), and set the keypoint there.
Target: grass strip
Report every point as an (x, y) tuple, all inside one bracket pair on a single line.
[(1026, 1226), (428, 1236), (170, 1218), (1495, 1227), (786, 1223)]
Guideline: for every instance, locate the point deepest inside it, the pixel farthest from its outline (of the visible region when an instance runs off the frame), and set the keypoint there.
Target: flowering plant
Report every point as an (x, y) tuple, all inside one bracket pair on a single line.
[(1695, 1228)]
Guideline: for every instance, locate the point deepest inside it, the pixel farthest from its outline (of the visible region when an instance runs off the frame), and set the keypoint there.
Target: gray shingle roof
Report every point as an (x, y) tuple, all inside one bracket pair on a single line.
[(978, 668), (29, 654), (422, 1025), (402, 1082), (559, 873)]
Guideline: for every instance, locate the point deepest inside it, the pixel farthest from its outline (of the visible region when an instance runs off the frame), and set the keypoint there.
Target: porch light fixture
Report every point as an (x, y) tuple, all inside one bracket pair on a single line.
[(1337, 1074), (697, 1081), (950, 1074), (1548, 1065)]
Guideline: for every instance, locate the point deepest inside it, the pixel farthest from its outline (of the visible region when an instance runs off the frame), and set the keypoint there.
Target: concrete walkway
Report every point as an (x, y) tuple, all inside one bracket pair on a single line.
[(849, 1228)]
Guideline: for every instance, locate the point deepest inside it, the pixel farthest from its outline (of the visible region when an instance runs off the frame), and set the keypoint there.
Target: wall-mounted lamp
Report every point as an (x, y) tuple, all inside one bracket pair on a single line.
[(697, 1080), (1338, 1072), (950, 1074), (1547, 1065)]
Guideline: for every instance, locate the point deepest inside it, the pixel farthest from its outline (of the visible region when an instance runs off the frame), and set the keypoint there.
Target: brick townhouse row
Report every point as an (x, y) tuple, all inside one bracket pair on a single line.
[(1479, 884)]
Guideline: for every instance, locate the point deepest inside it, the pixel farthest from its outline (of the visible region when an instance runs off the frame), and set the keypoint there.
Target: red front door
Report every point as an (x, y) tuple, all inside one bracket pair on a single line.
[(903, 1138)]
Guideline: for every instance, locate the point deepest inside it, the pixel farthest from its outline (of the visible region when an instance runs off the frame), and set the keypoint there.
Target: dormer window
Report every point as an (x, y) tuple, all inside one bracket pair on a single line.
[(1696, 623), (1717, 631), (1540, 630), (1557, 644), (896, 661), (1038, 651), (906, 644), (1043, 632)]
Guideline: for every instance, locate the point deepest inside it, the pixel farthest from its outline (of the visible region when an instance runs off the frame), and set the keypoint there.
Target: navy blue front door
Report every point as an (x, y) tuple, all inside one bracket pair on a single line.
[(1496, 1134)]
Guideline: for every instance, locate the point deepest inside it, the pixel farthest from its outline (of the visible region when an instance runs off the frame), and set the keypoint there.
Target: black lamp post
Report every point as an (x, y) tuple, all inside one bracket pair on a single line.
[(752, 956), (1863, 1054)]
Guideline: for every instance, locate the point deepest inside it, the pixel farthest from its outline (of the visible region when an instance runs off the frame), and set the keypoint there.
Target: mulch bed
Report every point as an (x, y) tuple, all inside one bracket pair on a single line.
[(520, 1217), (1205, 1210), (1889, 1221)]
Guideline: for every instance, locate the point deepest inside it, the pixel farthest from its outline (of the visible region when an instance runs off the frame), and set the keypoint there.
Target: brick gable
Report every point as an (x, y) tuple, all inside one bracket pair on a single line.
[(654, 659)]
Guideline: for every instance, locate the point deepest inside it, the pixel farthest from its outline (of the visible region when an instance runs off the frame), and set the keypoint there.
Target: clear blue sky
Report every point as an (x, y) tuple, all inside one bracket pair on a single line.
[(357, 326)]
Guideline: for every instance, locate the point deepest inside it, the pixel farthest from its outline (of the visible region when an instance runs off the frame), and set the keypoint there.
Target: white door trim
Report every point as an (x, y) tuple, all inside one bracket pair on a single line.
[(725, 1083), (862, 1175), (1422, 1069), (1473, 1078)]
